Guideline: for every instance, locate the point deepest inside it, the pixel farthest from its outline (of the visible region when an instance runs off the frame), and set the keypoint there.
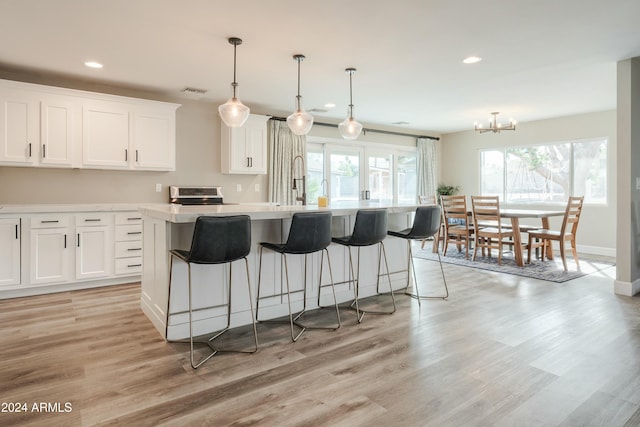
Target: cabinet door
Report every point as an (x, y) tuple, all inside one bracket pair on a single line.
[(244, 149), (57, 133), (105, 135), (9, 251), (94, 251), (256, 148), (49, 260), (154, 141), (19, 124)]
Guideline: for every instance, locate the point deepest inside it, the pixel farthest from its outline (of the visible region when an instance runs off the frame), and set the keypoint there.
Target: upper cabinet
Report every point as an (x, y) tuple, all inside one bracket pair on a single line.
[(54, 127), (244, 149), (19, 127)]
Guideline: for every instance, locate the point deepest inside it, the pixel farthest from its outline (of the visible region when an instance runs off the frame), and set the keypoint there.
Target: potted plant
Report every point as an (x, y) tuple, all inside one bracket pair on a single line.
[(447, 190)]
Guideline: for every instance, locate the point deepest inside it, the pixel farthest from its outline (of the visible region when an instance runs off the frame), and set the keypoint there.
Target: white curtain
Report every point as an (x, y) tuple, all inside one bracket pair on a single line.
[(284, 146), (427, 167)]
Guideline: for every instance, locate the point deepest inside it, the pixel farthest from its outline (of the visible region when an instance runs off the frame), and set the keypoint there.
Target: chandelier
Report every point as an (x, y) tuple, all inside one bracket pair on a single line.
[(494, 126)]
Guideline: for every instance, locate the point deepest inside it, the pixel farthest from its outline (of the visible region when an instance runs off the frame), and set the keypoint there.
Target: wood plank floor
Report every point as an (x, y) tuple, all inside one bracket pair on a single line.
[(502, 350)]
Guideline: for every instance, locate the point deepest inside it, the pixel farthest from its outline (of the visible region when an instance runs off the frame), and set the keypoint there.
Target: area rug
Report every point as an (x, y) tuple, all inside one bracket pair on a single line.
[(550, 270)]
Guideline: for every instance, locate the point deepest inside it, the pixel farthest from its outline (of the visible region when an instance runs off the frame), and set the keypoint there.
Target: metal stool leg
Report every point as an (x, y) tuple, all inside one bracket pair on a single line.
[(381, 253), (415, 280)]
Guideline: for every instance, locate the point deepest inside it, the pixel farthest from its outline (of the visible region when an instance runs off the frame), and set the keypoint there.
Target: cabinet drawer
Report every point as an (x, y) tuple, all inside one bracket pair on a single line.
[(129, 265), (125, 233), (128, 218), (129, 249), (49, 221), (89, 219)]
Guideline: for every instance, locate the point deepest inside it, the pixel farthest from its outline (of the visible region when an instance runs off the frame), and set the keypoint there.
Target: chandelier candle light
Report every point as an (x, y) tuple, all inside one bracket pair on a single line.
[(350, 128), (494, 126), (233, 112), (300, 121)]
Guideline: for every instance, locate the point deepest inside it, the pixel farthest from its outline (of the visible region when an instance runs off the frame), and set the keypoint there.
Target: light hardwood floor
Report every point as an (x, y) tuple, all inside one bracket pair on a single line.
[(502, 350)]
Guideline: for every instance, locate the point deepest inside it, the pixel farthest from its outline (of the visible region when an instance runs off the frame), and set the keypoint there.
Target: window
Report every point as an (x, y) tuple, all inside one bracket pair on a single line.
[(350, 172), (546, 173)]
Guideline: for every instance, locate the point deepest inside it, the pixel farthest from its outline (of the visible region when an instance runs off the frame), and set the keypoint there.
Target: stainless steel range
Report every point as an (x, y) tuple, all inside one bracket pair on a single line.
[(195, 195)]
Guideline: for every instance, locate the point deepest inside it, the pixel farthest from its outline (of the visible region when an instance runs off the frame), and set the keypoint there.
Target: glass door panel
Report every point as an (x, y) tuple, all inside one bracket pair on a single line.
[(344, 172), (380, 177), (407, 177)]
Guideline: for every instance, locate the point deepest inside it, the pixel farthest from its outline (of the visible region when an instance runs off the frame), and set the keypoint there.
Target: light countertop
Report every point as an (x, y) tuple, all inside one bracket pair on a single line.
[(262, 211), (70, 207)]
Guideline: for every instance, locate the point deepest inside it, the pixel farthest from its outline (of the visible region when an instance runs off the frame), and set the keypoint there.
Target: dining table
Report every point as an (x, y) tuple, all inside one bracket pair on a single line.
[(515, 215)]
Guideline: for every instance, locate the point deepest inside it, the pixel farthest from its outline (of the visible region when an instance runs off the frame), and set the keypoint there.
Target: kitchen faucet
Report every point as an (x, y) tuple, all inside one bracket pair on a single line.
[(303, 197)]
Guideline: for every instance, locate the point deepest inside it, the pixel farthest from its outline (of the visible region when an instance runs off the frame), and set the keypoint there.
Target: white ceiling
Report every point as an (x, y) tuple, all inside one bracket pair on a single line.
[(541, 58)]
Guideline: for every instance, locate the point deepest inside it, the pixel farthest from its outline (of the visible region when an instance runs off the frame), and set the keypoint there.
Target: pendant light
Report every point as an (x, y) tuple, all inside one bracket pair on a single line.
[(233, 112), (350, 128), (300, 121)]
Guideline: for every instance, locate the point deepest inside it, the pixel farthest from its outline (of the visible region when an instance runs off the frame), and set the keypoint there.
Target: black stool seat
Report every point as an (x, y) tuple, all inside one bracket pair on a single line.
[(217, 240), (369, 229), (310, 232), (426, 223)]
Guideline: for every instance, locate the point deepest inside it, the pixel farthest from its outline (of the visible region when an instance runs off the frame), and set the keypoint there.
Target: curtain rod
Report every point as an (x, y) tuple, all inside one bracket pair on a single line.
[(364, 130)]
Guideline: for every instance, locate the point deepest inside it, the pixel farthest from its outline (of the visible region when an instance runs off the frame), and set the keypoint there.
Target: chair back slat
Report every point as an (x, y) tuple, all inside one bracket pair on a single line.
[(572, 215), (454, 206), (486, 211)]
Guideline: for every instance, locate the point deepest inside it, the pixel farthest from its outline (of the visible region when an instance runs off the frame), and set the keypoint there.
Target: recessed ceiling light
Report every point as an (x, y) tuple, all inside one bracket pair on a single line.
[(329, 105), (471, 59), (93, 64)]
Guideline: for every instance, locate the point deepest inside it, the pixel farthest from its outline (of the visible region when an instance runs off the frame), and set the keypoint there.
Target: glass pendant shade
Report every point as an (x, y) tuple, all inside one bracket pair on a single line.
[(233, 112), (300, 121), (350, 128)]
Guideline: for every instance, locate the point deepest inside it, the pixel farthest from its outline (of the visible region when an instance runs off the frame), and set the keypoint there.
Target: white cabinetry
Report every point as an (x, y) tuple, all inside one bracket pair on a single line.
[(9, 251), (244, 149), (124, 136), (94, 245), (154, 139), (105, 135), (128, 236), (55, 127), (58, 136), (49, 255), (19, 126)]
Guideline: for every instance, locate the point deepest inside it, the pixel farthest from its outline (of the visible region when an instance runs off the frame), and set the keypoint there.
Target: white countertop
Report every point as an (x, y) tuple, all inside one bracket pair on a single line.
[(261, 211), (71, 207)]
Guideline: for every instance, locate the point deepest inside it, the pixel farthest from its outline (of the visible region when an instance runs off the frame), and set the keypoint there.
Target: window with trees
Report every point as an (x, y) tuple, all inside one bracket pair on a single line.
[(546, 173)]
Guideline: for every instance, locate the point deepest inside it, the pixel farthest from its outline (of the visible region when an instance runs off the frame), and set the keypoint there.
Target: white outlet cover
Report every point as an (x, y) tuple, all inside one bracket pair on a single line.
[(238, 187)]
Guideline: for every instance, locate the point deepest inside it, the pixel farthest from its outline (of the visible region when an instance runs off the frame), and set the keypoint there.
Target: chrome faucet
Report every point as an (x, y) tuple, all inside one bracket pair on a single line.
[(300, 198)]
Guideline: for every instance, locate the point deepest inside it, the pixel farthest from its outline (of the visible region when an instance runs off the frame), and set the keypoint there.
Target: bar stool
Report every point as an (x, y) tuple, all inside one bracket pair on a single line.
[(369, 229), (309, 232), (217, 240), (426, 223)]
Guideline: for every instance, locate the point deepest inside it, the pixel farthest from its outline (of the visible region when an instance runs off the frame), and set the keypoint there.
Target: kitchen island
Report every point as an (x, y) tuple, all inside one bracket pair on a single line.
[(169, 226)]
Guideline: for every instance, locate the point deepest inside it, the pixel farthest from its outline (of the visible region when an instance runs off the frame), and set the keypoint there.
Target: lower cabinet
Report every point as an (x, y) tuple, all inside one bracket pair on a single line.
[(69, 250), (10, 236), (128, 236), (94, 246), (50, 246)]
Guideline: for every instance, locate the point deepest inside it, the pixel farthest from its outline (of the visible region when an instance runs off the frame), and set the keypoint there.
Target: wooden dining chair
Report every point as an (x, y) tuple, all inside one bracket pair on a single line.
[(457, 229), (567, 232), (489, 231)]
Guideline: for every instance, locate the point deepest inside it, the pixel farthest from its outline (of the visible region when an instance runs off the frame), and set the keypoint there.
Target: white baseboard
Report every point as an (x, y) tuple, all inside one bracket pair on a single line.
[(628, 289)]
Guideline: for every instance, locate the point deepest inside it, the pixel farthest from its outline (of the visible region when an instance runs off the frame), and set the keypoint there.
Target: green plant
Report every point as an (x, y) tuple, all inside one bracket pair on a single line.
[(447, 190)]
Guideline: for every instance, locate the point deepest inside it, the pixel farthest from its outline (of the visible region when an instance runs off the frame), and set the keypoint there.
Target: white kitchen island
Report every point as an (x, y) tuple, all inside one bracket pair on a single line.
[(167, 226)]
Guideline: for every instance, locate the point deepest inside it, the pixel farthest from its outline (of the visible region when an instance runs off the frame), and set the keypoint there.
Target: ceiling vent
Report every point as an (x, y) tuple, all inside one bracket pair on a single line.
[(194, 91), (318, 110)]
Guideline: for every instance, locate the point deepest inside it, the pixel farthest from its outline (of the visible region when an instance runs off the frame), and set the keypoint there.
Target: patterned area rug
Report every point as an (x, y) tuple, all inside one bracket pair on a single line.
[(551, 271)]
